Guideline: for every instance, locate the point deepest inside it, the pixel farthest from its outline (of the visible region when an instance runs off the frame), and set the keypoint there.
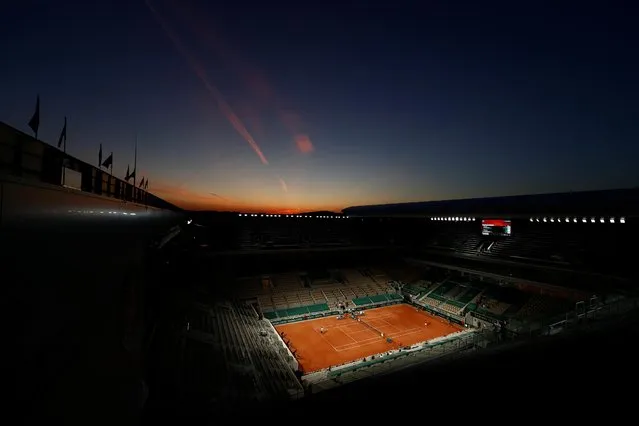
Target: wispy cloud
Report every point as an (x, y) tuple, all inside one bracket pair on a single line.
[(219, 196), (283, 185), (181, 195), (262, 91), (200, 72)]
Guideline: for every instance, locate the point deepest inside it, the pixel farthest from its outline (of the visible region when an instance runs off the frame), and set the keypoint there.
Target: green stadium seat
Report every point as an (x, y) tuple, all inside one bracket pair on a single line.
[(379, 298), (360, 301)]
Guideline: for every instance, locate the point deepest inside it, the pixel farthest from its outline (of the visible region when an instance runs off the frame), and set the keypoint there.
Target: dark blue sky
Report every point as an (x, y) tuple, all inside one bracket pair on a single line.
[(320, 105)]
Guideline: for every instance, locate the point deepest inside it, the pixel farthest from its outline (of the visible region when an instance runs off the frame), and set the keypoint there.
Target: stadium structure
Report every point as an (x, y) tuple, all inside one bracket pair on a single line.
[(122, 303), (271, 307)]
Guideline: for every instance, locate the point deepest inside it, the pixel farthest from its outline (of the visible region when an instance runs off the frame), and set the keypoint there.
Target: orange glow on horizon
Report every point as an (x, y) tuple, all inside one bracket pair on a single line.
[(187, 199)]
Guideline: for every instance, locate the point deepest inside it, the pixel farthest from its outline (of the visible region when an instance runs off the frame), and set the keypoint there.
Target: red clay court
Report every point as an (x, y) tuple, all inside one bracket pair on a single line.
[(347, 339)]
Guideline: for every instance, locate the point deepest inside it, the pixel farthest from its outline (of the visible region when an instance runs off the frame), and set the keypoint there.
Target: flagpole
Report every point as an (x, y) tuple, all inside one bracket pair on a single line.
[(111, 163), (34, 123), (135, 160), (64, 147), (65, 135)]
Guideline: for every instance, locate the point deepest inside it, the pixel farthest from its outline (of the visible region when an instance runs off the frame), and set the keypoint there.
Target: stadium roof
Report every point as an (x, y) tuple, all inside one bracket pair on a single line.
[(615, 202)]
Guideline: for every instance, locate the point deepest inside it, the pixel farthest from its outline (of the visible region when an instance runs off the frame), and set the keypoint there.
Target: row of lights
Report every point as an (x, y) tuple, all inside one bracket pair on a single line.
[(99, 212), (290, 215), (576, 220), (454, 219)]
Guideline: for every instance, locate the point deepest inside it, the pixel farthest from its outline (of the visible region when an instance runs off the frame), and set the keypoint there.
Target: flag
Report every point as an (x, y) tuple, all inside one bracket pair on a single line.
[(100, 157), (146, 184), (63, 135), (142, 183), (108, 162), (132, 176), (127, 176), (34, 123)]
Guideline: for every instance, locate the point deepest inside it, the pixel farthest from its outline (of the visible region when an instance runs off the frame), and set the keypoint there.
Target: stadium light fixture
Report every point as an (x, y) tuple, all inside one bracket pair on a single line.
[(612, 220), (592, 220), (622, 220), (602, 220)]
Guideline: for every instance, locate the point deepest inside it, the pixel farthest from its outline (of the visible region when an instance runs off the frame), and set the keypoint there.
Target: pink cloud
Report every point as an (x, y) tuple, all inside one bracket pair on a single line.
[(304, 144)]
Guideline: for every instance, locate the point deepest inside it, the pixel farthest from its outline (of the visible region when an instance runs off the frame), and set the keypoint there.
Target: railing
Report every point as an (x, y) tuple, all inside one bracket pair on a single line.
[(392, 361), (25, 157), (476, 340)]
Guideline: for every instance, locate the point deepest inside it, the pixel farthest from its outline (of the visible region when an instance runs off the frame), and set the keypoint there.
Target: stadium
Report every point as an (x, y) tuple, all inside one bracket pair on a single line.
[(265, 309)]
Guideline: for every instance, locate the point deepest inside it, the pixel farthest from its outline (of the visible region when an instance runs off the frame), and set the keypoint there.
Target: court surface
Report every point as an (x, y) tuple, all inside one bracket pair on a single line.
[(347, 339)]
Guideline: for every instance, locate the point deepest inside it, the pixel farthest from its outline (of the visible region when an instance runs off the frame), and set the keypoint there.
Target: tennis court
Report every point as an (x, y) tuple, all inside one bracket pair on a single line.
[(329, 341)]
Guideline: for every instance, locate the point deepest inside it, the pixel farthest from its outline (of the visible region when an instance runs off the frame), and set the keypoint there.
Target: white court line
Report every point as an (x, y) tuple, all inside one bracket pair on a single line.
[(348, 335), (355, 343), (386, 324), (346, 330), (329, 343), (351, 346)]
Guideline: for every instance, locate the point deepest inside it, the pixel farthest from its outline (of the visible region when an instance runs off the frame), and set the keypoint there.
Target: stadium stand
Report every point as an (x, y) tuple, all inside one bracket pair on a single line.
[(379, 299), (568, 244), (316, 293), (225, 350)]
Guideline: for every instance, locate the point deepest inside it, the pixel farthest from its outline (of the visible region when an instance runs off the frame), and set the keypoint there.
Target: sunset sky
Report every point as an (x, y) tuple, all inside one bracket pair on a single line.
[(318, 105)]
